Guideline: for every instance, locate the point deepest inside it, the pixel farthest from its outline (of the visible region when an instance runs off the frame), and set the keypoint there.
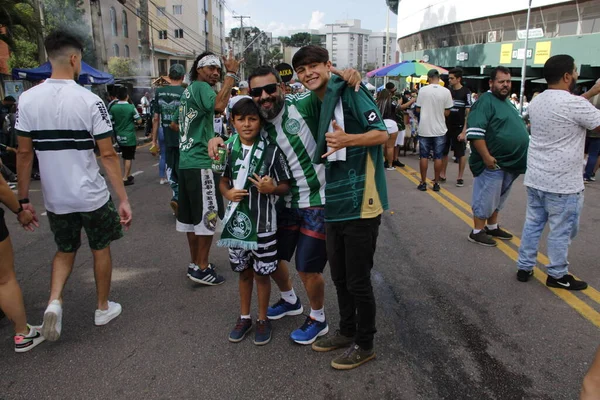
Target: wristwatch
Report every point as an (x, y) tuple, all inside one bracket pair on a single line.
[(18, 211), (24, 201)]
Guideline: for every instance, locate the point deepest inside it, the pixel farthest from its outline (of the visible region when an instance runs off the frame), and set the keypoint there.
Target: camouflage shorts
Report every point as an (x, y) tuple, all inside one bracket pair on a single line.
[(102, 226)]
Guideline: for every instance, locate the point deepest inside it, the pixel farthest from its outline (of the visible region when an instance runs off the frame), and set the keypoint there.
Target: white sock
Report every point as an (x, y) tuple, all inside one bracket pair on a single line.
[(245, 316), (192, 265), (318, 315), (289, 296), (476, 231), (492, 227)]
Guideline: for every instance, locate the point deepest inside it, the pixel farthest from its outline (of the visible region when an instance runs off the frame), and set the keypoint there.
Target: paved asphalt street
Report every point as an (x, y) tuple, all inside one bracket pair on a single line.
[(453, 322)]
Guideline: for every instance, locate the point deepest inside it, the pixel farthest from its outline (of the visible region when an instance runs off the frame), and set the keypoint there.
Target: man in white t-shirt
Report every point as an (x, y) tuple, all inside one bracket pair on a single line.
[(554, 178), (62, 122), (434, 103)]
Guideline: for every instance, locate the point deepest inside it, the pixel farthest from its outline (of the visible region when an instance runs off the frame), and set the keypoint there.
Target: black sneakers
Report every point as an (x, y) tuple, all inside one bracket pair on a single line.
[(498, 233), (567, 282), (353, 357), (460, 183), (422, 187), (482, 238), (523, 275), (436, 186), (397, 163)]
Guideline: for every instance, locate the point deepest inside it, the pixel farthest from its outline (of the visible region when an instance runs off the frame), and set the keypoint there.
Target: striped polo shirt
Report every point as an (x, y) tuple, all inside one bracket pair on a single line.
[(294, 130), (64, 120)]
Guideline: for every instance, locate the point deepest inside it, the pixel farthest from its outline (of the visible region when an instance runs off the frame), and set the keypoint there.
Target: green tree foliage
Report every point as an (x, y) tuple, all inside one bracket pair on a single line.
[(121, 67), (23, 55), (300, 39), (68, 15), (17, 18), (274, 57)]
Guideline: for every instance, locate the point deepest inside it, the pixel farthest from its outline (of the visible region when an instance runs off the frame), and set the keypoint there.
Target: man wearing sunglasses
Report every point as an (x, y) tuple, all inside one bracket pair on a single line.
[(292, 123)]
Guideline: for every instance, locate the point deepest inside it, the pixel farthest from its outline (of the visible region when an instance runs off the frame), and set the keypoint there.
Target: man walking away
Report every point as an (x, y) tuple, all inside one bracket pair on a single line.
[(499, 141), (124, 117), (559, 121), (61, 121), (434, 104), (457, 125)]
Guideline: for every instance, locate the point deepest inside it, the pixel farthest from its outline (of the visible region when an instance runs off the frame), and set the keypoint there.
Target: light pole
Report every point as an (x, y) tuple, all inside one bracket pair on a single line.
[(524, 68)]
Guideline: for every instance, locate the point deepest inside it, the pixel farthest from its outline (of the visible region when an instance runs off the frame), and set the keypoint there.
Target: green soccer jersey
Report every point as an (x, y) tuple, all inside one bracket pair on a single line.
[(196, 118), (498, 123), (166, 103), (356, 188), (124, 116), (295, 132)]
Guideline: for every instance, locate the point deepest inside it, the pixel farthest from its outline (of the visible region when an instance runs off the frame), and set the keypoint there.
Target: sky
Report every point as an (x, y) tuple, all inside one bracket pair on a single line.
[(280, 16)]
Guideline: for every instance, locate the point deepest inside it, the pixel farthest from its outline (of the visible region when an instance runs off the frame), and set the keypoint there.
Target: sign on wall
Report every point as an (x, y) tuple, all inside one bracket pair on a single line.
[(534, 33), (542, 52), (506, 53)]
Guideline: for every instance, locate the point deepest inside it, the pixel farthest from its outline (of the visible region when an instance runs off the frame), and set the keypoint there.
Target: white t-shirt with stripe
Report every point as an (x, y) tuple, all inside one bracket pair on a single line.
[(64, 120), (295, 130)]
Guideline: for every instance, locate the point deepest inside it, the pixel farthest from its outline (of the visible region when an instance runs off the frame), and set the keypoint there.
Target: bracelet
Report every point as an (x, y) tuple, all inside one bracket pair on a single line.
[(234, 76), (18, 211), (24, 201)]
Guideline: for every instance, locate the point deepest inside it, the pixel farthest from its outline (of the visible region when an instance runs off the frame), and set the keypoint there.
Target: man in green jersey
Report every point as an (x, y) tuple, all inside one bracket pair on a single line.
[(292, 123), (200, 203), (499, 142), (350, 134), (124, 117), (166, 104)]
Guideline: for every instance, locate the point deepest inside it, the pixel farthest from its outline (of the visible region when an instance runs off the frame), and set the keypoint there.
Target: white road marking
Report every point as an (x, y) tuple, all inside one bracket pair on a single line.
[(154, 165), (136, 173)]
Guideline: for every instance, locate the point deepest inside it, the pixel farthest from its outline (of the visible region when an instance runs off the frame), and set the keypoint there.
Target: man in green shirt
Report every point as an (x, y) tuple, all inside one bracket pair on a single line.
[(499, 142), (124, 116), (200, 203), (166, 105), (350, 134)]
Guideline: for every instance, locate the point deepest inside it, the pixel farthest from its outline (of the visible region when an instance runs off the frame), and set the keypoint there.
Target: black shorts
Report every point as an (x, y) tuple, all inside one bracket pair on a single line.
[(459, 148), (102, 226), (3, 228), (200, 202), (128, 152), (263, 260)]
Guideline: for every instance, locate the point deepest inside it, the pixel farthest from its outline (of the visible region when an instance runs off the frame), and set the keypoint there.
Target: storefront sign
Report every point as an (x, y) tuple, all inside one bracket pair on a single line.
[(506, 53), (542, 52), (534, 33), (462, 56)]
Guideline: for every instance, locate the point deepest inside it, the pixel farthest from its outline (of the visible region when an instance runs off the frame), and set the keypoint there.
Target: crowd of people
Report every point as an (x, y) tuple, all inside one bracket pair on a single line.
[(303, 177)]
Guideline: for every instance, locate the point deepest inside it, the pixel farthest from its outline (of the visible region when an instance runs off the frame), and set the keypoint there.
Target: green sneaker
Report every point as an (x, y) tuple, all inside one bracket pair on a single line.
[(352, 358), (328, 343)]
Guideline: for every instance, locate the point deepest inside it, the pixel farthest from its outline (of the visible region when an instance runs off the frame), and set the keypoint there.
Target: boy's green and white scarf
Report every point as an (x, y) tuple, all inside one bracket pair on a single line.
[(240, 230)]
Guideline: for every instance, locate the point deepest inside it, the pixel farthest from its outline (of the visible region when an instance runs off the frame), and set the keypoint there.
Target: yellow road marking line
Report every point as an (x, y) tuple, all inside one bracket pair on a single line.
[(541, 257), (578, 305)]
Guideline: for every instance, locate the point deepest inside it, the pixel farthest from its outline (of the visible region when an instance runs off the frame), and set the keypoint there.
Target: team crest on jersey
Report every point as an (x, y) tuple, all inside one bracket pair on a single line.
[(292, 126), (240, 226)]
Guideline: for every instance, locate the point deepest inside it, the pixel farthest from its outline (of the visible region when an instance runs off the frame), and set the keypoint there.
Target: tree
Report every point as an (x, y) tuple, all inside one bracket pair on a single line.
[(24, 54), (68, 15), (274, 57), (121, 67), (15, 14), (369, 67), (300, 39), (285, 40)]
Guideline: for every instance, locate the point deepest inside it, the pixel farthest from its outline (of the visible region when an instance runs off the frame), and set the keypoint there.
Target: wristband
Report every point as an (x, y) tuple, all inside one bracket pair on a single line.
[(234, 76), (18, 211), (24, 201)]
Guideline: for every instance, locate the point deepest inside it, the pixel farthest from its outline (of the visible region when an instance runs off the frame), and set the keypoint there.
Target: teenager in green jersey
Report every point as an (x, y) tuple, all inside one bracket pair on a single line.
[(200, 202), (124, 117), (166, 104), (350, 137), (292, 123)]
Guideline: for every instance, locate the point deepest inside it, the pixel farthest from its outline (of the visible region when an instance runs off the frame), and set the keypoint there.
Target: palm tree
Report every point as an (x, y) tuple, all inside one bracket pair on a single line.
[(15, 14)]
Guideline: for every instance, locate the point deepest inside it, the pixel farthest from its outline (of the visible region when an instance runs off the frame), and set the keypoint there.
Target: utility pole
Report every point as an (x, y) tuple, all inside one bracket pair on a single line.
[(152, 70), (98, 35), (147, 63), (242, 37), (39, 16)]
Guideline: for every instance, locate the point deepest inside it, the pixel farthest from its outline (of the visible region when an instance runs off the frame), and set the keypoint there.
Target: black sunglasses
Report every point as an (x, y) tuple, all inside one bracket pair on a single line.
[(270, 89)]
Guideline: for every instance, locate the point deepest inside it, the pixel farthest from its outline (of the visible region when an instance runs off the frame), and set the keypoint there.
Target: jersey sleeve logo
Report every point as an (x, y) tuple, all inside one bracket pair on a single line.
[(372, 116), (292, 126), (103, 112)]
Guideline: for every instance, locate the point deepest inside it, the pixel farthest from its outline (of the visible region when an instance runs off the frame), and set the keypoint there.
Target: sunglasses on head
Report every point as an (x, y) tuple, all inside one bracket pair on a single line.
[(270, 89)]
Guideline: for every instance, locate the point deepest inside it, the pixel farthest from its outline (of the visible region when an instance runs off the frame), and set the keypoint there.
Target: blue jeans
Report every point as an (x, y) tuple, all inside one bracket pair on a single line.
[(162, 162), (490, 191), (562, 212), (593, 151), (429, 144)]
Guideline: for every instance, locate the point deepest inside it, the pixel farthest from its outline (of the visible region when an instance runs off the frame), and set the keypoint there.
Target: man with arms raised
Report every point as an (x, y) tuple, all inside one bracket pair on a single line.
[(62, 121)]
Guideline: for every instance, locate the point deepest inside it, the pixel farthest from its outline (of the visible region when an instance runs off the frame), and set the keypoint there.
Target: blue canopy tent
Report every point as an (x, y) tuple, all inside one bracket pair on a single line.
[(88, 76)]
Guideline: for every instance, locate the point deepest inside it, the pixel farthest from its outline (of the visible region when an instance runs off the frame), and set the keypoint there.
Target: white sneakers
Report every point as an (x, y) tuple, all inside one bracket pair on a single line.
[(53, 318), (103, 317), (52, 325)]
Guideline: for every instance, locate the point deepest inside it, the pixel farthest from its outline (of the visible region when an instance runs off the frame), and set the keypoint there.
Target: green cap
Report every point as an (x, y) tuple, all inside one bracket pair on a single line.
[(177, 71)]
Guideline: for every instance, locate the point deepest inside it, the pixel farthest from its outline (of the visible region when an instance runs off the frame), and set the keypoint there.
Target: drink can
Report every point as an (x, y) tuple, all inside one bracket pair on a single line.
[(218, 165)]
